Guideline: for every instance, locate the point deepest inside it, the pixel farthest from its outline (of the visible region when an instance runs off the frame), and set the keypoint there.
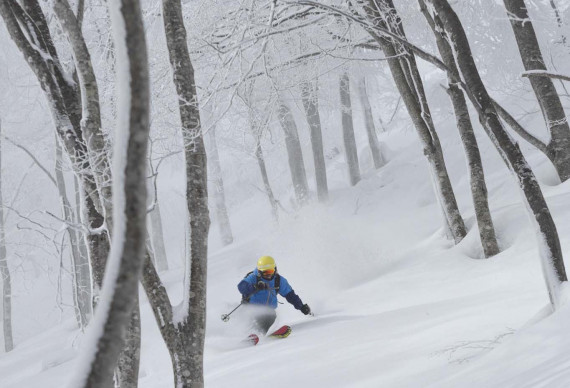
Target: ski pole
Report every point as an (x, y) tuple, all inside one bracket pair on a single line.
[(226, 317)]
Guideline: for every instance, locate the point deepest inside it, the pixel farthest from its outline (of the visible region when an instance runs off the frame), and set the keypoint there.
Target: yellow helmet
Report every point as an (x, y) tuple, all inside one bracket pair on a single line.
[(265, 263)]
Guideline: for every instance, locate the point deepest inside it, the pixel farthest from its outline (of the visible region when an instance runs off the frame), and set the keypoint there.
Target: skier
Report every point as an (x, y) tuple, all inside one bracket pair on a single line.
[(259, 288)]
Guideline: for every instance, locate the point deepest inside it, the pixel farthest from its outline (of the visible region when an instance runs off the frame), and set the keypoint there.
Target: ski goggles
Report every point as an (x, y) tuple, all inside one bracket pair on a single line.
[(267, 272)]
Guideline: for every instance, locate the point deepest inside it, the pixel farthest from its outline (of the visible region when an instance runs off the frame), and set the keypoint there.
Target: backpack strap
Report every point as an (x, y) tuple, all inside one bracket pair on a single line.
[(277, 283)]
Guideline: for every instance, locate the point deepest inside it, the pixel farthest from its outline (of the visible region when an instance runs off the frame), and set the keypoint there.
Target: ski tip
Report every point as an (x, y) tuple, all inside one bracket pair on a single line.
[(252, 339), (282, 332)]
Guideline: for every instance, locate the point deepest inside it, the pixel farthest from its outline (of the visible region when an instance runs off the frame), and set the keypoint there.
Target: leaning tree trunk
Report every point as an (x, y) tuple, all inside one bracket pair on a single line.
[(369, 124), (120, 287), (219, 192), (187, 350), (154, 226), (546, 94), (310, 98), (266, 185), (157, 238), (81, 281), (28, 29), (128, 365), (350, 150), (474, 164), (5, 275), (294, 153), (406, 76), (548, 242)]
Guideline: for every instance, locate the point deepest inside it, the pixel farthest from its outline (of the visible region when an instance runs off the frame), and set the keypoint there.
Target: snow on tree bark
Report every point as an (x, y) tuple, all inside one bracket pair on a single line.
[(350, 150), (474, 164), (219, 192), (552, 110), (81, 281), (63, 101), (369, 124), (120, 286), (310, 100), (184, 330), (5, 275), (406, 76), (548, 242), (294, 153)]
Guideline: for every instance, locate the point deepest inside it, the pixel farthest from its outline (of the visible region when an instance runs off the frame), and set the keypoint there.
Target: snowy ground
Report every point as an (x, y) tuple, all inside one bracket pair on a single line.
[(396, 304)]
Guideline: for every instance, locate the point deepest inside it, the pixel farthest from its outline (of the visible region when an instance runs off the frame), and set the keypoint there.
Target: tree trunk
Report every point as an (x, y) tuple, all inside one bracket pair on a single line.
[(294, 153), (266, 185), (369, 123), (119, 297), (219, 192), (192, 321), (5, 274), (310, 99), (80, 282), (91, 113), (546, 94), (476, 174), (406, 76), (154, 226), (350, 151), (127, 370), (157, 238), (548, 242), (63, 102)]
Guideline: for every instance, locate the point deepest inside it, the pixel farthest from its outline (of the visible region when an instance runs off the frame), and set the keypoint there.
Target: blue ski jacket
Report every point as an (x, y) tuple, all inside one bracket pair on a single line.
[(267, 297)]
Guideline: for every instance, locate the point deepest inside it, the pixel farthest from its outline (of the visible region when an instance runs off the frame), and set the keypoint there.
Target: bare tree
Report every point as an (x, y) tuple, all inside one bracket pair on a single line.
[(547, 235), (309, 96), (154, 224), (219, 192), (474, 164), (350, 150), (184, 332), (294, 153), (383, 17), (120, 287), (558, 148), (369, 124), (5, 275), (81, 279)]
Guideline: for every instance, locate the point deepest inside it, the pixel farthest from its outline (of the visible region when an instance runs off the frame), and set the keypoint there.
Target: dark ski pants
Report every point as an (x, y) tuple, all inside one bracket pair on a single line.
[(262, 321)]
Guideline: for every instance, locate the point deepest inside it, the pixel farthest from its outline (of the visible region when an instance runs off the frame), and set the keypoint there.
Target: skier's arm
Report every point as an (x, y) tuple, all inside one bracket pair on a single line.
[(287, 291), (294, 300), (247, 286)]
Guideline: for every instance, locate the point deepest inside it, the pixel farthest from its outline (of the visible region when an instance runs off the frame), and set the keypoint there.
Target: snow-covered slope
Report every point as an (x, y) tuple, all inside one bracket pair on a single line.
[(396, 304)]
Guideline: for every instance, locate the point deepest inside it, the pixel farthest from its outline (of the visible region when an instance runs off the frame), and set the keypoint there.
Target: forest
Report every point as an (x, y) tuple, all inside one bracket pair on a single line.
[(398, 170)]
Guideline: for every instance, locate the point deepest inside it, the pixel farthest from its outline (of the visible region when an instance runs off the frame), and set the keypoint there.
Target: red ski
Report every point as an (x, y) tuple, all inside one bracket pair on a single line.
[(282, 332), (252, 339)]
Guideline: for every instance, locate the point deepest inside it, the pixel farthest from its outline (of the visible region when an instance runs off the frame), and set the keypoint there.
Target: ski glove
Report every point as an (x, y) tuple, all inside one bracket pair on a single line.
[(261, 285), (306, 309)]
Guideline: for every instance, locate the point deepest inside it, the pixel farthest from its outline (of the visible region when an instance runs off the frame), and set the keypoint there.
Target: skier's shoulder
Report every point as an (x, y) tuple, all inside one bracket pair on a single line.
[(251, 275)]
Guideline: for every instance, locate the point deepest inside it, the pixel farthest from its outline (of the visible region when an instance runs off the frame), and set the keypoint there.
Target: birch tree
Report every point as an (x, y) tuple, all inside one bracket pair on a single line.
[(350, 150), (294, 153), (369, 124), (120, 286), (474, 164), (184, 331), (382, 15), (219, 192), (548, 242), (558, 148), (309, 96), (81, 279), (5, 274)]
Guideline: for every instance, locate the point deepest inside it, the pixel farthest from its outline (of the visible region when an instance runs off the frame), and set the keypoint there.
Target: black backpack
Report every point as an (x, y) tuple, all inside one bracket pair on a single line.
[(245, 299)]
